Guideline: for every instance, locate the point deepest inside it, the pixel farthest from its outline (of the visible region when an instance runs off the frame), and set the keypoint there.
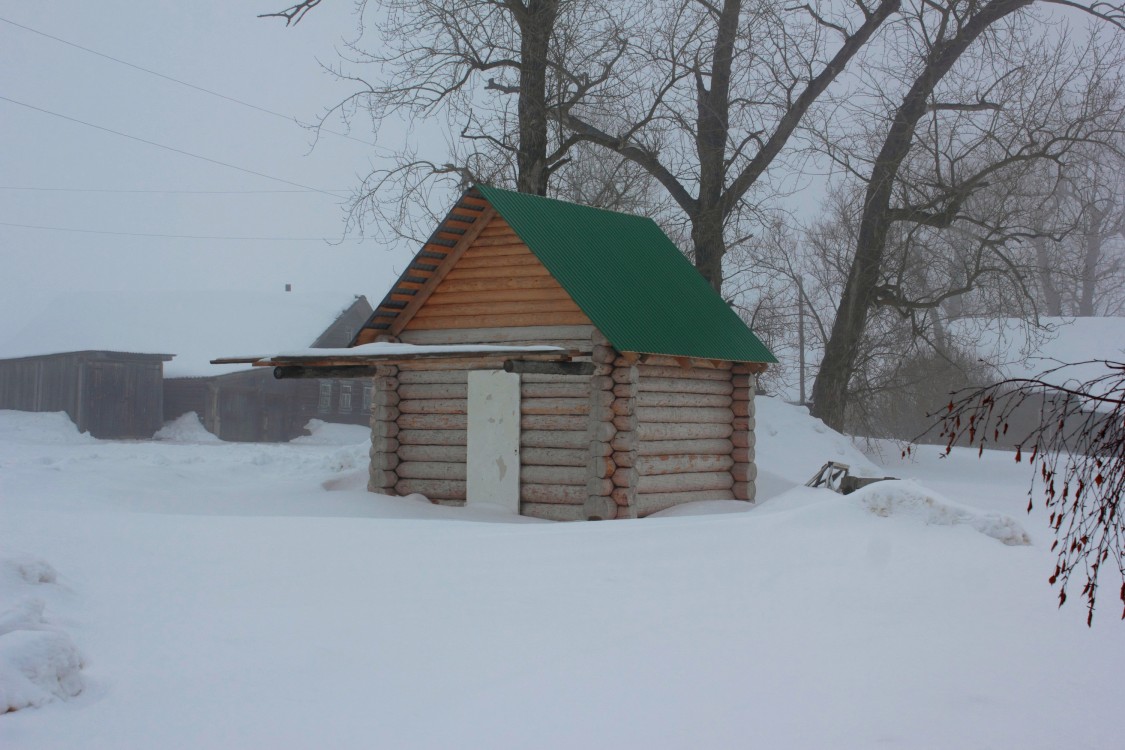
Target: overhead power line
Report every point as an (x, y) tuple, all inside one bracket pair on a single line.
[(162, 192), (232, 99), (170, 148), (179, 236)]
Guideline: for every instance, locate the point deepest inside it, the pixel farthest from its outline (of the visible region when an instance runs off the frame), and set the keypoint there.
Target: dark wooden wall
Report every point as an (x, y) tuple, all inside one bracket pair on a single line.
[(108, 394)]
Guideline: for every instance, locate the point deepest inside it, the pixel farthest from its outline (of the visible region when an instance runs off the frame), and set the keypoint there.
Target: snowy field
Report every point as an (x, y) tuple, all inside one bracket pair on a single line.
[(186, 593)]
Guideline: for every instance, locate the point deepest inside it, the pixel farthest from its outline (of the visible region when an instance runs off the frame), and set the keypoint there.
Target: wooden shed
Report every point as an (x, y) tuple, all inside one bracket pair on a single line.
[(109, 394), (649, 399)]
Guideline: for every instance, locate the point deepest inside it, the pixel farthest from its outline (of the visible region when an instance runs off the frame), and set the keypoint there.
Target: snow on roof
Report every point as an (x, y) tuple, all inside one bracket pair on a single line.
[(196, 327), (1020, 352), (386, 349)]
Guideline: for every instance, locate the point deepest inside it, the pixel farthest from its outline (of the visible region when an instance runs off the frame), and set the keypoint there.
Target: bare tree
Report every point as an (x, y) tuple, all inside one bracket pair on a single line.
[(713, 96), (953, 158), (1076, 448)]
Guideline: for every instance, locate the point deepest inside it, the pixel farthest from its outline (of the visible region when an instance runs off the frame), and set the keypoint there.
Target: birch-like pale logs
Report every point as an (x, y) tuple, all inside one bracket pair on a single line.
[(572, 388), (717, 480), (409, 377), (553, 511), (434, 406), (556, 475), (410, 391), (682, 400), (549, 335), (575, 439), (679, 373), (430, 470), (687, 385), (651, 431), (443, 453), (553, 456), (433, 437), (651, 465), (548, 493), (573, 406)]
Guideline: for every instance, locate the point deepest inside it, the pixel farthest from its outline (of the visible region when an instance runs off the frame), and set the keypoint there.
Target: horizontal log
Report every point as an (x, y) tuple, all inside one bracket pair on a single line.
[(406, 377), (499, 240), (686, 385), (433, 406), (554, 456), (563, 439), (498, 262), (562, 388), (383, 445), (499, 295), (599, 486), (744, 472), (600, 448), (480, 321), (498, 308), (706, 447), (550, 493), (578, 406), (646, 372), (655, 502), (689, 400), (664, 431), (383, 460), (430, 470), (599, 508), (742, 394), (433, 437), (743, 408), (742, 439), (381, 480), (442, 453), (624, 497), (433, 391), (743, 491), (508, 271), (433, 422), (680, 415), (742, 455), (743, 381), (383, 429), (553, 511), (385, 383), (552, 422), (557, 475), (696, 481), (575, 369), (624, 441), (743, 424), (539, 334), (683, 363), (601, 432), (500, 283), (434, 489), (680, 464), (600, 467), (385, 398)]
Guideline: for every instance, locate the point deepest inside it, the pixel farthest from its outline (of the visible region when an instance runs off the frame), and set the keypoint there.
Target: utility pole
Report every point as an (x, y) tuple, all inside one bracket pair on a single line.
[(801, 333)]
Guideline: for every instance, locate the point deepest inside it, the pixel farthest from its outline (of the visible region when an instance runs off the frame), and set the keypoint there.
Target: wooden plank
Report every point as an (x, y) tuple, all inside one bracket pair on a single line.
[(548, 422), (647, 504), (498, 321), (563, 387), (499, 295), (499, 251), (501, 284), (432, 437), (682, 464), (441, 453), (434, 489), (430, 470), (547, 335), (558, 494), (432, 422), (500, 241), (435, 280), (508, 271), (566, 305), (470, 260), (696, 481)]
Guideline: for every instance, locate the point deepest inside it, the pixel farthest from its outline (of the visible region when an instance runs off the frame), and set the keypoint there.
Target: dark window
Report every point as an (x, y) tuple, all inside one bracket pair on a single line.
[(368, 396), (345, 398), (325, 404)]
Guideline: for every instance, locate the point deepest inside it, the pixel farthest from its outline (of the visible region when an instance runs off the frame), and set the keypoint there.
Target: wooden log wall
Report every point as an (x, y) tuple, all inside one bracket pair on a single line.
[(744, 470), (675, 440)]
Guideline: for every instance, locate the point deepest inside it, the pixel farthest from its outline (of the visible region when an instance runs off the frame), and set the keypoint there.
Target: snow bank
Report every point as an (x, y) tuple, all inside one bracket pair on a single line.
[(329, 433), (186, 428), (38, 662), (910, 499), (42, 428)]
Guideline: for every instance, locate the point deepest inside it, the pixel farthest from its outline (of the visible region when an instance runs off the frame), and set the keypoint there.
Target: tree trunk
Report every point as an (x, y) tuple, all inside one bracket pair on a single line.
[(830, 390), (1093, 254), (1051, 296), (536, 19)]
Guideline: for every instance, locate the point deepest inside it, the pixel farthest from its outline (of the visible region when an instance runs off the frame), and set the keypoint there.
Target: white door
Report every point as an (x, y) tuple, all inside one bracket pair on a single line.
[(493, 469)]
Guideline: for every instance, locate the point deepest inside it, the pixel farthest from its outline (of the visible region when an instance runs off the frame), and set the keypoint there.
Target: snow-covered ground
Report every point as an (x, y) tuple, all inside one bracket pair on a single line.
[(186, 593)]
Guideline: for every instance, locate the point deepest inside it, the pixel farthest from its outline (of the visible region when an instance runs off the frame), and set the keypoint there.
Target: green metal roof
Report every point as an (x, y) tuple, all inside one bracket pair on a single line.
[(629, 279)]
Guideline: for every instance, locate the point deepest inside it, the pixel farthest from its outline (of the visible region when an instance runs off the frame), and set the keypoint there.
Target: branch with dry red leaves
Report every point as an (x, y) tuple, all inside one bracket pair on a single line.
[(1076, 448)]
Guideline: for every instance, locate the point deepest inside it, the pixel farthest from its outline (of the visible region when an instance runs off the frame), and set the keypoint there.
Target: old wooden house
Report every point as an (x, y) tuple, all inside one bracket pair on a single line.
[(644, 401), (97, 357), (109, 394)]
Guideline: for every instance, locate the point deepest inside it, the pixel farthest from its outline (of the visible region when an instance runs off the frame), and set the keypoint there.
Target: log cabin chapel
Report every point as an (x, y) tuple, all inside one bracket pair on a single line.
[(563, 361)]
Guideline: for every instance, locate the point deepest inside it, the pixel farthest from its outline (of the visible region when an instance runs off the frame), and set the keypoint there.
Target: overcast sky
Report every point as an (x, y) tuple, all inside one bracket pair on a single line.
[(60, 174)]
